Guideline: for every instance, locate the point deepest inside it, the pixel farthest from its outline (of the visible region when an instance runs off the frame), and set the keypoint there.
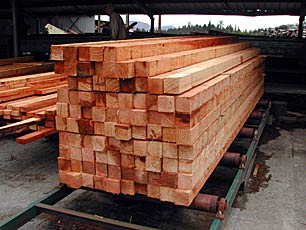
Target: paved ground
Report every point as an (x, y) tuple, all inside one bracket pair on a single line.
[(29, 171), (280, 203), (26, 173)]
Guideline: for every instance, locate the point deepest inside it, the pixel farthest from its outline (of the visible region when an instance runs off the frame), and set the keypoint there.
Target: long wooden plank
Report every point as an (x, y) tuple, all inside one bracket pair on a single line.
[(179, 81), (40, 111), (15, 104), (49, 90), (48, 81), (186, 196), (30, 77), (139, 50), (198, 178), (81, 51), (28, 138), (25, 69), (9, 61), (16, 93), (4, 105), (38, 103), (18, 127), (188, 137), (197, 96), (11, 92), (158, 64)]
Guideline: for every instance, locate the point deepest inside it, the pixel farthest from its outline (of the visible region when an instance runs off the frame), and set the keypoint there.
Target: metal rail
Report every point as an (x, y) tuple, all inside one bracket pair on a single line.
[(242, 174)]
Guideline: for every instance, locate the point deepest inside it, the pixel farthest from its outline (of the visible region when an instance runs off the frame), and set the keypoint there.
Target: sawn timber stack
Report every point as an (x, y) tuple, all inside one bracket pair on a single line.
[(28, 102), (152, 116)]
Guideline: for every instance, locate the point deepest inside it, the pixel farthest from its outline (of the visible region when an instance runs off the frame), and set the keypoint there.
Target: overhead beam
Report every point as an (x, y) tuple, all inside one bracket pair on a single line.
[(143, 8), (42, 12), (94, 7), (86, 2), (146, 11)]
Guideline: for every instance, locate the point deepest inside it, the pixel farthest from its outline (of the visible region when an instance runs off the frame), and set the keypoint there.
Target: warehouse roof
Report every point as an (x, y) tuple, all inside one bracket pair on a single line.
[(155, 7)]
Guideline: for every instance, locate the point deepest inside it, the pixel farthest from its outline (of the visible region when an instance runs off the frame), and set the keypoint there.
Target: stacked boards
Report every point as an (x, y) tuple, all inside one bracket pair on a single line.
[(22, 65), (152, 116), (29, 102)]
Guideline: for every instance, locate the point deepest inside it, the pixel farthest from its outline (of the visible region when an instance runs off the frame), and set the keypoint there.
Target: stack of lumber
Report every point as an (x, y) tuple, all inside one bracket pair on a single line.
[(29, 102), (152, 116), (23, 65)]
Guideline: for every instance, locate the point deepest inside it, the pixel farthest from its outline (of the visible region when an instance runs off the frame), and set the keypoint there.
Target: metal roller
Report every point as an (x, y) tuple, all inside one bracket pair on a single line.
[(247, 132), (210, 203), (263, 103), (257, 115), (232, 159)]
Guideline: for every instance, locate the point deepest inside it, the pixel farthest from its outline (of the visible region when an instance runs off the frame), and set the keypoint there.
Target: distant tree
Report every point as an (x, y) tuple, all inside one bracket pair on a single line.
[(205, 28), (220, 25)]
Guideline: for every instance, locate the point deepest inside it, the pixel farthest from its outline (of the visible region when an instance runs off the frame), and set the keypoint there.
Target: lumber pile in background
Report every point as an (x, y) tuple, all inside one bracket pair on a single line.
[(152, 116), (29, 102), (22, 66)]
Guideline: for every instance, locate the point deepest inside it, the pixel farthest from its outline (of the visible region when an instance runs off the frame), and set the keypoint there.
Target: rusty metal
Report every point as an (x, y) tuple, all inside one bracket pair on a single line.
[(243, 161), (222, 206), (247, 132), (263, 103), (205, 202), (231, 159), (242, 174), (210, 203), (256, 169), (257, 115)]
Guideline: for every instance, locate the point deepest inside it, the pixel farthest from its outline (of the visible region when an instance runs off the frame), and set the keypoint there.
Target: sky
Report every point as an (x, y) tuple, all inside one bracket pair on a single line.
[(244, 23)]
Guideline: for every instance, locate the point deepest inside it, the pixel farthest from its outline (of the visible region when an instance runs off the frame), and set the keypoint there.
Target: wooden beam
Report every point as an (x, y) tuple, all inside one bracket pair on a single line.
[(18, 127), (9, 61), (22, 69), (28, 138)]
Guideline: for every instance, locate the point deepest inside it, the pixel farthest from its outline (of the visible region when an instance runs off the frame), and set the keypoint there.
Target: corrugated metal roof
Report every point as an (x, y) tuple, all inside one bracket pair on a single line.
[(91, 7)]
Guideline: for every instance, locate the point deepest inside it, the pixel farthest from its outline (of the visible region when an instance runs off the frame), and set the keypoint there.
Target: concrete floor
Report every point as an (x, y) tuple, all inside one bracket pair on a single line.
[(27, 172), (280, 203)]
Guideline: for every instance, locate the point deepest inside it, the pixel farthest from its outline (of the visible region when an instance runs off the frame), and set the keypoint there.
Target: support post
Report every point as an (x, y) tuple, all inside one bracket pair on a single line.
[(301, 27), (15, 19), (37, 25), (159, 24), (99, 24), (127, 19), (152, 24)]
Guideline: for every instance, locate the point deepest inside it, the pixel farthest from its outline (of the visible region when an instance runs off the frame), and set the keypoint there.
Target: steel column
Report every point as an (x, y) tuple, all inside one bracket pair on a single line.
[(15, 20), (301, 27), (152, 24), (159, 24), (127, 20)]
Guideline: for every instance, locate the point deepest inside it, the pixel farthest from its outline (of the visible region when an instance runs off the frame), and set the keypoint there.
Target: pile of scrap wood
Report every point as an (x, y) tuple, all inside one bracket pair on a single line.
[(23, 65), (29, 103), (152, 116)]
